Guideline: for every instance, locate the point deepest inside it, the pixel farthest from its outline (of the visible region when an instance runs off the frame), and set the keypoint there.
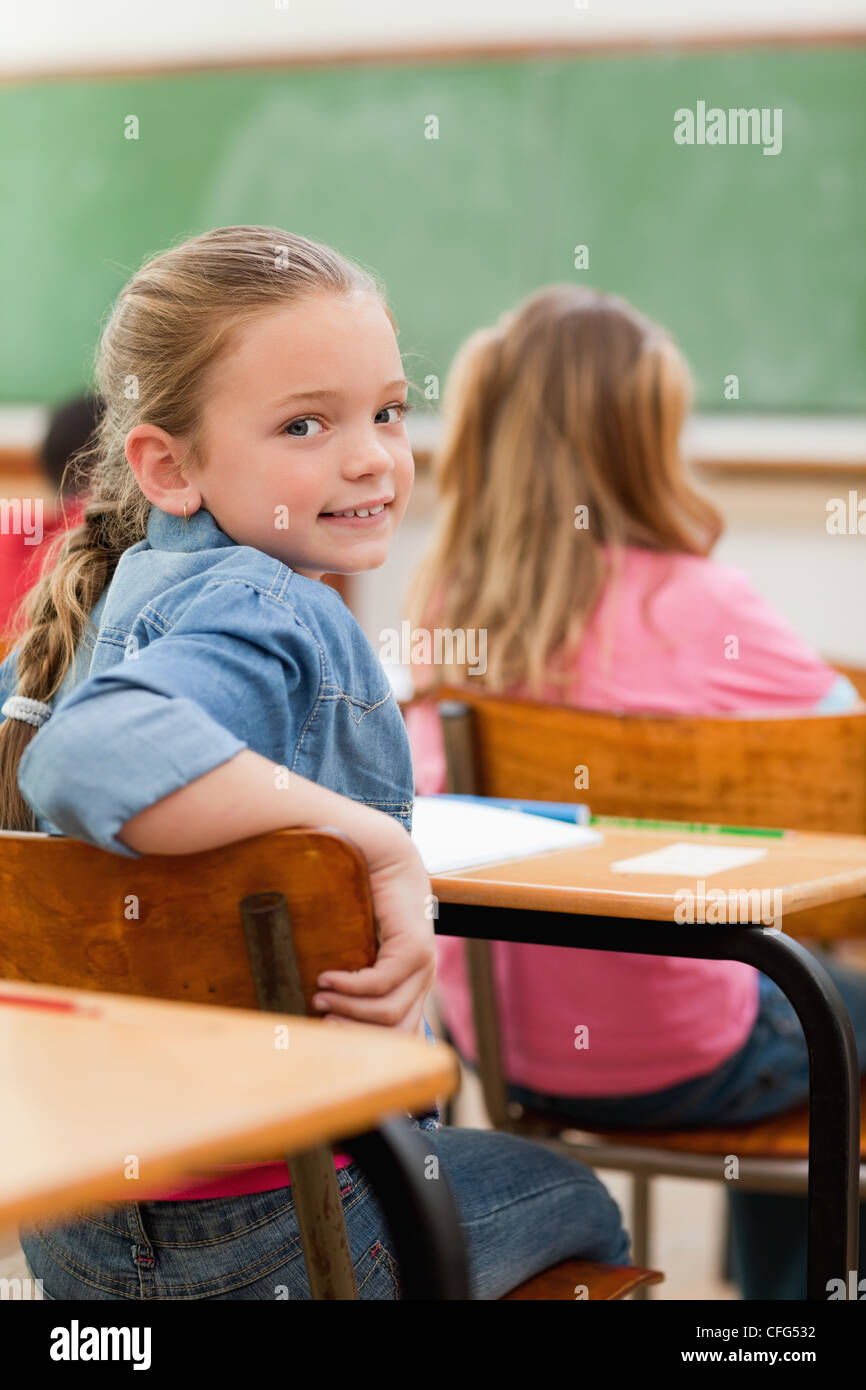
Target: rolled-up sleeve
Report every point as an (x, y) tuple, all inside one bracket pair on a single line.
[(109, 753), (151, 724)]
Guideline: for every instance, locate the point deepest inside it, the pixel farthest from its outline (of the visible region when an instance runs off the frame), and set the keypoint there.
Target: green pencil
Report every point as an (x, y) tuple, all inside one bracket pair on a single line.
[(633, 823)]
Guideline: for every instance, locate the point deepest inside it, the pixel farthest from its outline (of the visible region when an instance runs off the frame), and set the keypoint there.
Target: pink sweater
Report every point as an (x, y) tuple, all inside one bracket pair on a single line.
[(233, 1180), (707, 643)]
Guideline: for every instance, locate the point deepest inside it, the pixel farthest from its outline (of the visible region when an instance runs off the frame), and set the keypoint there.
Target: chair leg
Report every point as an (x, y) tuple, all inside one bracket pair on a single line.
[(640, 1226), (725, 1267), (458, 737), (488, 1037), (315, 1190), (448, 1107), (322, 1227)]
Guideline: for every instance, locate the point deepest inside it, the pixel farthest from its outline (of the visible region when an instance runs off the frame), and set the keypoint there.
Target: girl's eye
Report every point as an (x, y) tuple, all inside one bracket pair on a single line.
[(404, 407), (300, 428), (296, 427)]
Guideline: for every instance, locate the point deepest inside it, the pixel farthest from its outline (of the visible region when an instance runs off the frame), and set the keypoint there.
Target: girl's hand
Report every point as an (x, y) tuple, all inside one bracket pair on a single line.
[(391, 992), (241, 798)]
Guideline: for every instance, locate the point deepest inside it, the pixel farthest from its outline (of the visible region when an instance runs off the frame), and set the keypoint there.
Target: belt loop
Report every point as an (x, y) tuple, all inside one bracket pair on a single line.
[(143, 1254)]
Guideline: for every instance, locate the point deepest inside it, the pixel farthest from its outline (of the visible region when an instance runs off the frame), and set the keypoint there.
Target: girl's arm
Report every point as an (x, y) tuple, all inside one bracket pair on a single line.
[(240, 798), (152, 755)]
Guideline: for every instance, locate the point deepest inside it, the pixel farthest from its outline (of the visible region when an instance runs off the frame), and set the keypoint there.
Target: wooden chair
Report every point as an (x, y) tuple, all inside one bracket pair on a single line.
[(806, 773), (855, 674), (250, 925)]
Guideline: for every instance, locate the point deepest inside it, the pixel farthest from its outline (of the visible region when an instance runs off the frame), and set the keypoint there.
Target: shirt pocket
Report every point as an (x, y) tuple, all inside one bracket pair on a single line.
[(359, 747), (120, 643)]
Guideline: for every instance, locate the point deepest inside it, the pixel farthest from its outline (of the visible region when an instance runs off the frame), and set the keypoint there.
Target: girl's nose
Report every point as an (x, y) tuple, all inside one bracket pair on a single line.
[(371, 456)]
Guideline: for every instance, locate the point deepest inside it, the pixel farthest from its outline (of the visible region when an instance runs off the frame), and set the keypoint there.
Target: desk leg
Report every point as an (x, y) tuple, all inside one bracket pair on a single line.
[(834, 1089), (420, 1211), (834, 1106)]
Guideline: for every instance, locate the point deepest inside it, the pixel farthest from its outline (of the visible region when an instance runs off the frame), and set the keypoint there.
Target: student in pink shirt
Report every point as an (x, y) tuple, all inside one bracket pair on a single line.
[(568, 532)]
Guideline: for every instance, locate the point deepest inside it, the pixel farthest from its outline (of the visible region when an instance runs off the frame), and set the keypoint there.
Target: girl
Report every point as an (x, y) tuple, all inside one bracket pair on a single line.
[(568, 532), (253, 440)]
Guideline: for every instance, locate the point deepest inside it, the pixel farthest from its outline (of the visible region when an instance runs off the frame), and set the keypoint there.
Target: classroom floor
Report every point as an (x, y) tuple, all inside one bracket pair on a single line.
[(687, 1216)]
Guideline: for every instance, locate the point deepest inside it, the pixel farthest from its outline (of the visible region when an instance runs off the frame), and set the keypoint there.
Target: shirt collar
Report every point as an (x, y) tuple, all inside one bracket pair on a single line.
[(167, 532)]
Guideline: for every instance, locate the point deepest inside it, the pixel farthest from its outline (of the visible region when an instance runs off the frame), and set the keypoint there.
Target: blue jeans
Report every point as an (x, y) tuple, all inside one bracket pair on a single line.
[(522, 1209), (768, 1074)]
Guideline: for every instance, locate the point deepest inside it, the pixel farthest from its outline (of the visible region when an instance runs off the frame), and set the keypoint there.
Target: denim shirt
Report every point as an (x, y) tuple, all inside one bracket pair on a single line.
[(204, 648)]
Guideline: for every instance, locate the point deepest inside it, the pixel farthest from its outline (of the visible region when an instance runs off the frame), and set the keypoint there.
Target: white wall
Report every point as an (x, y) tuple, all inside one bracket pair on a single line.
[(38, 35)]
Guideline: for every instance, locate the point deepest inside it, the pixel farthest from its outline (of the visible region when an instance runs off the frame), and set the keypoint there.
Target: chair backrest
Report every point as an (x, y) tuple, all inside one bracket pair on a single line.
[(169, 926), (855, 674), (805, 773)]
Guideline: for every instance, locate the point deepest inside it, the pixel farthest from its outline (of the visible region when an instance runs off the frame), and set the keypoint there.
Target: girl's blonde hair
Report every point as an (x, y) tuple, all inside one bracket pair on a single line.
[(174, 320), (573, 400)]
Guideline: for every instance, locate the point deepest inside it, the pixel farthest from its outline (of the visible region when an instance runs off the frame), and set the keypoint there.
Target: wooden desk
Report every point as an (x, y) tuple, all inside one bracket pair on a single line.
[(805, 868), (87, 1079), (574, 898)]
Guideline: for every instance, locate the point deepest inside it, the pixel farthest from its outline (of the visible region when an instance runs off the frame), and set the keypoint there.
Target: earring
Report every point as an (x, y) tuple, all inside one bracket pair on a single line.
[(185, 517)]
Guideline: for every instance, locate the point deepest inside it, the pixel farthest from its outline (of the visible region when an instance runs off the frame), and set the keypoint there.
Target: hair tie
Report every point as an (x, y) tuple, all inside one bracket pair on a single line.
[(33, 712)]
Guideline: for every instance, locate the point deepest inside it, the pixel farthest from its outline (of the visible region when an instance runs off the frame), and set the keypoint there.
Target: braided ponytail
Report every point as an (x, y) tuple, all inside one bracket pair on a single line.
[(79, 566)]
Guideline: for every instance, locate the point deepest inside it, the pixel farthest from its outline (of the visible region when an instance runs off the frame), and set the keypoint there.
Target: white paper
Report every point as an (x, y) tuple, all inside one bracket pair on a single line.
[(459, 835), (685, 859)]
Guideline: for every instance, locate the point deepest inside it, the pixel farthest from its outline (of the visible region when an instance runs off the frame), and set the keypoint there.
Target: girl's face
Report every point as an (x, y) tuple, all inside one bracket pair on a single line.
[(303, 421)]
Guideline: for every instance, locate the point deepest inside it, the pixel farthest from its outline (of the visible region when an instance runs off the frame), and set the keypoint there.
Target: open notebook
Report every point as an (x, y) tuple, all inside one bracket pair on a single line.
[(455, 835)]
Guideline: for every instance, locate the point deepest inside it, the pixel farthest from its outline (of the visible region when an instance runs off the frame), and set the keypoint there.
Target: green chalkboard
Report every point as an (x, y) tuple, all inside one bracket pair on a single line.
[(755, 261)]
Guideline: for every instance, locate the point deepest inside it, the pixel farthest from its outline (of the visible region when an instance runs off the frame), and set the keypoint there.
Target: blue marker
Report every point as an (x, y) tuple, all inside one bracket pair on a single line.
[(575, 812)]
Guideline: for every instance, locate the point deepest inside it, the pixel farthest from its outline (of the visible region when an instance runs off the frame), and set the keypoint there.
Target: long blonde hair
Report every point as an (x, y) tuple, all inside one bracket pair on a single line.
[(573, 400), (172, 322)]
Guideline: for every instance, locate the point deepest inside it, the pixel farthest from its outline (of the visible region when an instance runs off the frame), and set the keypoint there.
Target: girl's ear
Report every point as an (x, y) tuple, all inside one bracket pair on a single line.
[(156, 458)]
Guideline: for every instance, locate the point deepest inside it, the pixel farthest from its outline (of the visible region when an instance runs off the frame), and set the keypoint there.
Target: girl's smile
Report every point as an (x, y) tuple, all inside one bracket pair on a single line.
[(364, 515)]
